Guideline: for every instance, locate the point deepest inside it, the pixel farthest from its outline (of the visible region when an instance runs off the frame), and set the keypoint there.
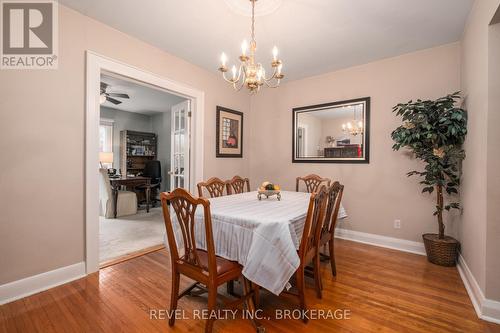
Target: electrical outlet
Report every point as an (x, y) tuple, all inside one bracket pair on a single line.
[(397, 224)]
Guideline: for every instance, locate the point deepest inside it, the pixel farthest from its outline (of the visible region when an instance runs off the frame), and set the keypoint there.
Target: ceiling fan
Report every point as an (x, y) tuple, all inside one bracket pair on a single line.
[(105, 96)]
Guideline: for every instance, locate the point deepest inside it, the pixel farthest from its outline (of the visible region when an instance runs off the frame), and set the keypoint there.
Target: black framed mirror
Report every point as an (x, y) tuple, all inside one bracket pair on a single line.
[(337, 132)]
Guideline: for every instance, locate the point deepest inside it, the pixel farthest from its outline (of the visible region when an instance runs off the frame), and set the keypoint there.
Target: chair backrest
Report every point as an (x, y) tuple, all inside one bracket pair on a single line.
[(334, 196), (237, 185), (184, 205), (152, 169), (339, 188), (312, 182), (105, 192), (214, 186), (314, 222)]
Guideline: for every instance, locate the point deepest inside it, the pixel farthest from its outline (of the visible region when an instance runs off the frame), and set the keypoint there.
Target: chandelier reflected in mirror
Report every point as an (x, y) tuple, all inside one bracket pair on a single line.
[(251, 73), (354, 127)]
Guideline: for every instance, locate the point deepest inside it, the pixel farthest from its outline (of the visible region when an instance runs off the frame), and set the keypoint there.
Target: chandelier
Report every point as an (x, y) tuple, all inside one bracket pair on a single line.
[(353, 128), (250, 73)]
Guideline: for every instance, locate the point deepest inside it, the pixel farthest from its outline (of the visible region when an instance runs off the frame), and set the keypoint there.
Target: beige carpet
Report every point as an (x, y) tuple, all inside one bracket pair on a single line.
[(127, 234)]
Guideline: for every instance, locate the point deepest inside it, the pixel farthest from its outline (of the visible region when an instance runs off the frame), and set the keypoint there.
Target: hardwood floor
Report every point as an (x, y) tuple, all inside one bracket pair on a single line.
[(384, 290)]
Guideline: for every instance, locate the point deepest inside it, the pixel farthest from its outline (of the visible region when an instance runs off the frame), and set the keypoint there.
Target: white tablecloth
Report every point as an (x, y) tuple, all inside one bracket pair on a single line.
[(263, 236)]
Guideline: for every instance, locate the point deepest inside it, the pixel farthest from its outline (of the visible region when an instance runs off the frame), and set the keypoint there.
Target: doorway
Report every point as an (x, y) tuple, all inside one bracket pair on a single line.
[(143, 133), (192, 155)]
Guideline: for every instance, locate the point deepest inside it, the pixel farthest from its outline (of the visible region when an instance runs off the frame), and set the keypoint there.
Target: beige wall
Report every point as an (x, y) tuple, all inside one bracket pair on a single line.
[(493, 187), (474, 229), (42, 124), (379, 192)]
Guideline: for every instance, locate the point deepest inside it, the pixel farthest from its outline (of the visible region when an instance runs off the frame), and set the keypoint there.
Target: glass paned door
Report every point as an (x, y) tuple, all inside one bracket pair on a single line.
[(179, 173)]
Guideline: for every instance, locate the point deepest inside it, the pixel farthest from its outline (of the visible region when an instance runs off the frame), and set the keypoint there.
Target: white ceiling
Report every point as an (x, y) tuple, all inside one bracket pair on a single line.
[(143, 98), (313, 36)]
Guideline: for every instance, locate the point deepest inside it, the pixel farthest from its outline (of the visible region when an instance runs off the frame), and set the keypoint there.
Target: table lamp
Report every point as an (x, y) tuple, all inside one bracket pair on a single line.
[(105, 157)]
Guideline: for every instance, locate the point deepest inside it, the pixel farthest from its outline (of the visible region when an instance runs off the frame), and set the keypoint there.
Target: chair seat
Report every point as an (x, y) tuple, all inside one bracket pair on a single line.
[(223, 265), (126, 194)]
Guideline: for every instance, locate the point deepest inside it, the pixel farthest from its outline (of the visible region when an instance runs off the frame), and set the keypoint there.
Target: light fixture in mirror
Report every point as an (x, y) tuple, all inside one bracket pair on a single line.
[(335, 132)]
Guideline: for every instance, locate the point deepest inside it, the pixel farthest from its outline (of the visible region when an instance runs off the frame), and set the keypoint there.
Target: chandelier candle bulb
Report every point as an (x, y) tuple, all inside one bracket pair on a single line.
[(275, 53), (223, 59), (244, 48), (234, 72)]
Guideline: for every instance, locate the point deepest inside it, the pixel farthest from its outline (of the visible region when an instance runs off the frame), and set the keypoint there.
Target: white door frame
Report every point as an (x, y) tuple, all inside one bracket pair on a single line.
[(96, 64), (186, 105)]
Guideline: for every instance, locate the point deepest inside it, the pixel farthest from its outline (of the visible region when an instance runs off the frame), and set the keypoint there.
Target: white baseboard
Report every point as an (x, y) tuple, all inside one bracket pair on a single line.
[(382, 241), (34, 284), (486, 309)]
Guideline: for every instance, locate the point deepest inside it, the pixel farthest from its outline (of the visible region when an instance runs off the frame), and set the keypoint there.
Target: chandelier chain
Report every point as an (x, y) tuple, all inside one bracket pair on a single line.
[(253, 20)]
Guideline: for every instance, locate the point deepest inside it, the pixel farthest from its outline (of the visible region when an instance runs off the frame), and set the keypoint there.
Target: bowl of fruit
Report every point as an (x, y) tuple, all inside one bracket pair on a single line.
[(268, 189)]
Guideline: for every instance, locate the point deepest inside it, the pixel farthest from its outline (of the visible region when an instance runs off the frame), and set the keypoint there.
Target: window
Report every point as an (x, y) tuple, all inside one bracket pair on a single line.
[(106, 139)]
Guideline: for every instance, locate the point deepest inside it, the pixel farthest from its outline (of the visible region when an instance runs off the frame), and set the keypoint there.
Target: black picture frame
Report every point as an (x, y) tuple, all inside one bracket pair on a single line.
[(365, 160), (218, 152)]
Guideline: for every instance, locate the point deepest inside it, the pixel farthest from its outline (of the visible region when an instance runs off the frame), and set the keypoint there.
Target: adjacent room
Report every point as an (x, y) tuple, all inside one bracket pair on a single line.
[(250, 166), (135, 158)]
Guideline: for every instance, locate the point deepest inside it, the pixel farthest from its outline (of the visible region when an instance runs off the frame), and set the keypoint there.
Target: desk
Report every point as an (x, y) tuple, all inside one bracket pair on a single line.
[(129, 181), (346, 151)]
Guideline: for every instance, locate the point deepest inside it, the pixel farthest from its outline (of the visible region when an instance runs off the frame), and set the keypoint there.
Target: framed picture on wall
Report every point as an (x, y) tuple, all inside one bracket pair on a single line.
[(229, 133)]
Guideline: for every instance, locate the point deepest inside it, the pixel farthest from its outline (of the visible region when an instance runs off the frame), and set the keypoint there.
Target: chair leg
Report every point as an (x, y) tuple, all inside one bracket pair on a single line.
[(256, 294), (317, 277), (251, 307), (174, 296), (212, 302), (301, 286), (332, 257), (230, 287)]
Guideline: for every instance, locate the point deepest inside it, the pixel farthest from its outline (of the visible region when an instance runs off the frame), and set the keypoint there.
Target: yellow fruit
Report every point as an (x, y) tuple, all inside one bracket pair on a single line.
[(277, 187)]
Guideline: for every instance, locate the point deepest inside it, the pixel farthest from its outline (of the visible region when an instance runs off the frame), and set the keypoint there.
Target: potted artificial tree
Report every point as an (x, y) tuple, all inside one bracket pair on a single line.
[(434, 132)]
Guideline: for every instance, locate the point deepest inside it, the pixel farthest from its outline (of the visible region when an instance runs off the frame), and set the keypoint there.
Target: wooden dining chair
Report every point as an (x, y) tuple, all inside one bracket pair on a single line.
[(327, 235), (312, 182), (308, 250), (214, 186), (237, 185), (203, 266)]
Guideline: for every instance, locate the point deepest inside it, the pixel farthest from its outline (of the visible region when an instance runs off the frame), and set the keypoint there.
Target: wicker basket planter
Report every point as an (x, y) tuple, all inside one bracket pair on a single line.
[(443, 252)]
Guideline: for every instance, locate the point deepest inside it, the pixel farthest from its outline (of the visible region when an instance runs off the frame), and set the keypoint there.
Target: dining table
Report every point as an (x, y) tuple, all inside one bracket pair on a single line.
[(262, 235)]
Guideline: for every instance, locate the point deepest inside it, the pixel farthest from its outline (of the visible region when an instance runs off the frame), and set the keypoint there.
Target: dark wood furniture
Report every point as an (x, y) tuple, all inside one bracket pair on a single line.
[(214, 186), (312, 182), (202, 266), (309, 249), (116, 183), (345, 151), (237, 185), (136, 148), (153, 171), (327, 234)]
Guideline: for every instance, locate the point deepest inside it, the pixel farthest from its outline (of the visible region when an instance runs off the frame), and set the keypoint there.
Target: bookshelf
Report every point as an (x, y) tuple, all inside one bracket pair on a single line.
[(136, 148)]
